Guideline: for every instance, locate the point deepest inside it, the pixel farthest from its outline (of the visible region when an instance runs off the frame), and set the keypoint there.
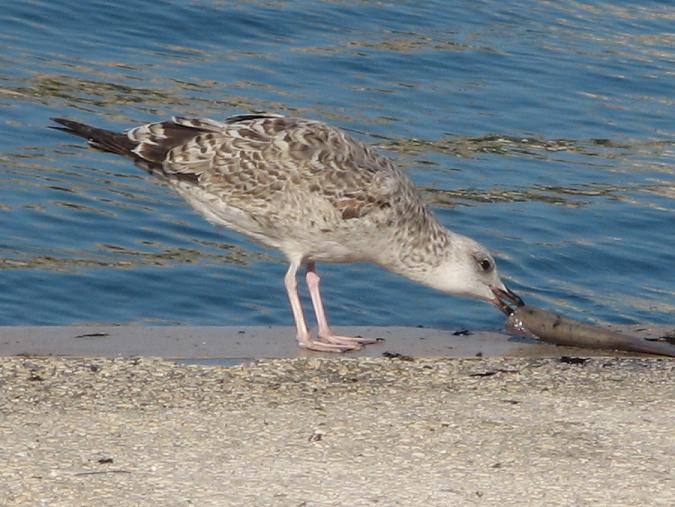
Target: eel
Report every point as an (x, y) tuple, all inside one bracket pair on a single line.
[(553, 328)]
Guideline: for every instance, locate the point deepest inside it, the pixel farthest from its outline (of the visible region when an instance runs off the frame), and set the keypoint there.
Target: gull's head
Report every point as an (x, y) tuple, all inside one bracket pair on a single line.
[(468, 269)]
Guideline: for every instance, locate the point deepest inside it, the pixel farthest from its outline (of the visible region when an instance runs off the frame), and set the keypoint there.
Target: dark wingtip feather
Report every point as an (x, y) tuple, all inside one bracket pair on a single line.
[(102, 139), (73, 127), (62, 129), (62, 121)]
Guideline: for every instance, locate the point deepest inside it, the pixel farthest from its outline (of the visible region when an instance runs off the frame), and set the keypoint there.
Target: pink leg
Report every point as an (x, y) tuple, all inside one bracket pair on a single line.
[(325, 334), (304, 339)]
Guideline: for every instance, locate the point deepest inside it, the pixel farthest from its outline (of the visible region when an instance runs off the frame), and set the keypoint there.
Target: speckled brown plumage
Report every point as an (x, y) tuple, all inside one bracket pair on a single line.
[(308, 189), (267, 166)]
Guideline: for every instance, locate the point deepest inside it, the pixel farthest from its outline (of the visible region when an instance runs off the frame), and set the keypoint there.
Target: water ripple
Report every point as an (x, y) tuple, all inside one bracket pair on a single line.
[(542, 129)]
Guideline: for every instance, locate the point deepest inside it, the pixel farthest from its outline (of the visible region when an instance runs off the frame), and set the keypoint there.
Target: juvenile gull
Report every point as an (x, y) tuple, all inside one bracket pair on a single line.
[(313, 192)]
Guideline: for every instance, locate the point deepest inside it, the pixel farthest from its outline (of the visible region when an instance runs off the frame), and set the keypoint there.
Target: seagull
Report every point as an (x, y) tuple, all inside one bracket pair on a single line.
[(313, 192)]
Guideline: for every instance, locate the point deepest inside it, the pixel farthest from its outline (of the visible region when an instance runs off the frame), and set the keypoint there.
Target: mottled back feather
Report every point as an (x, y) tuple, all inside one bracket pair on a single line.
[(281, 176), (254, 157)]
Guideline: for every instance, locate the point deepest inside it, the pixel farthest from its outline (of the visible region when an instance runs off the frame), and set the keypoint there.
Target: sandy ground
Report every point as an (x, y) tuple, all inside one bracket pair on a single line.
[(337, 432)]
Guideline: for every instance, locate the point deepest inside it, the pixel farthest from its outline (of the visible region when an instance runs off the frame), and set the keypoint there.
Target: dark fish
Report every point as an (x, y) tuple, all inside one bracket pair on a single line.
[(559, 330)]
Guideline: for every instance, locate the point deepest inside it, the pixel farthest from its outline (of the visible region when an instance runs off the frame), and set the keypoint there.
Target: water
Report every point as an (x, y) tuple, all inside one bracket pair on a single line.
[(544, 130)]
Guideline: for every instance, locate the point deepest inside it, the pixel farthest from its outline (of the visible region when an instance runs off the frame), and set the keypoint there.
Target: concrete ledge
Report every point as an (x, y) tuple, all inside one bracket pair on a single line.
[(269, 342)]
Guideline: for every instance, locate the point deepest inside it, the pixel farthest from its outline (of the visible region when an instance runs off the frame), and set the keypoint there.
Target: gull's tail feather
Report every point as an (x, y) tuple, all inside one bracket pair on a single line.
[(102, 139)]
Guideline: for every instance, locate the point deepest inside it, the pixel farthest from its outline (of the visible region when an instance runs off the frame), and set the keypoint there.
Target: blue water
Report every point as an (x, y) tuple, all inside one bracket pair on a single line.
[(543, 129)]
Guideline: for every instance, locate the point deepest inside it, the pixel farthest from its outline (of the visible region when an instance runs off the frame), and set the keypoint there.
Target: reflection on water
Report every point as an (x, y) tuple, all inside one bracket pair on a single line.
[(544, 130), (540, 148), (121, 257)]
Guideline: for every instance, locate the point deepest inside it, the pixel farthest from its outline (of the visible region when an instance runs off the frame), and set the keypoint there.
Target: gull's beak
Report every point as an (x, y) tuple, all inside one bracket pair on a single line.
[(504, 297)]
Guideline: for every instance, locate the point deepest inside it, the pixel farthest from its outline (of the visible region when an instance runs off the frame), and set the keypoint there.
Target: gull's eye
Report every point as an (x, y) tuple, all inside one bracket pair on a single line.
[(485, 265)]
